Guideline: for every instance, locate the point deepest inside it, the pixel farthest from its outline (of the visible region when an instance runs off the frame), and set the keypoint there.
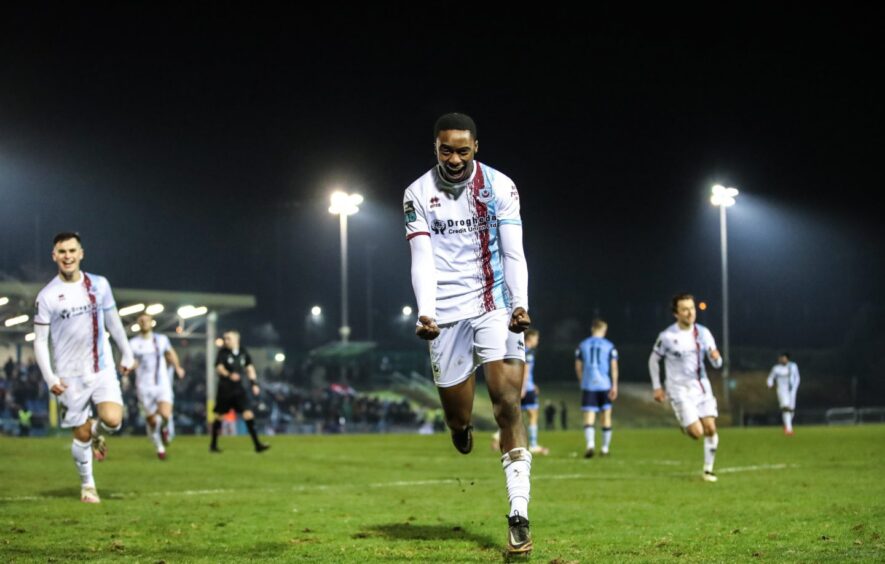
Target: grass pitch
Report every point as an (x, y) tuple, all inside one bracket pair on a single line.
[(817, 496)]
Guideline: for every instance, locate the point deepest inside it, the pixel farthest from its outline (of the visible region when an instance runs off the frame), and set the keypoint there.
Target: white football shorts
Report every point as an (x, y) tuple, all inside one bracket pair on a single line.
[(462, 346)]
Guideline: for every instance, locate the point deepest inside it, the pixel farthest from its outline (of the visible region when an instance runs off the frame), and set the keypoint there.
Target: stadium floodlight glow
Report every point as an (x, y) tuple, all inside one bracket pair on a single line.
[(4, 301), (135, 328), (407, 311), (13, 321), (189, 311), (154, 309), (129, 310), (316, 311), (279, 357), (30, 337), (344, 203), (723, 196)]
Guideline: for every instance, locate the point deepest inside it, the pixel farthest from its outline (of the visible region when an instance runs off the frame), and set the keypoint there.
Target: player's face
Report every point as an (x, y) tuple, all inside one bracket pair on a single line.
[(231, 340), (145, 323), (531, 342), (783, 360), (685, 312), (455, 150), (67, 255)]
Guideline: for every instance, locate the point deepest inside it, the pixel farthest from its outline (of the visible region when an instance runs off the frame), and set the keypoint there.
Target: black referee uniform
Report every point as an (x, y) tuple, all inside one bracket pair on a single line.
[(232, 395)]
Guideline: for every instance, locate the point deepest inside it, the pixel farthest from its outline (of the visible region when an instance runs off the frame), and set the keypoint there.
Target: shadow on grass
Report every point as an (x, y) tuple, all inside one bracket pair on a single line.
[(409, 532)]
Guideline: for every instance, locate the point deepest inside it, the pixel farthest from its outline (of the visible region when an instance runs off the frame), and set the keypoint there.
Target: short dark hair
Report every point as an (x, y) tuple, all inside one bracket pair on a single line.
[(678, 298), (454, 120), (786, 354), (66, 236)]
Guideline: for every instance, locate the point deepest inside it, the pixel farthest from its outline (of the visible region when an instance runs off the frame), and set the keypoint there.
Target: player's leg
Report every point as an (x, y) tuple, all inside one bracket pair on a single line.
[(457, 404), (606, 430), (711, 444), (222, 406), (109, 400), (589, 407), (453, 363), (504, 379), (503, 356), (147, 396), (74, 414), (532, 414), (164, 411), (249, 419)]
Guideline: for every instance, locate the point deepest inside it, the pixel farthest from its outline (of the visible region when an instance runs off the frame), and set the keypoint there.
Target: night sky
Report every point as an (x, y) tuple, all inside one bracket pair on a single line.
[(195, 148)]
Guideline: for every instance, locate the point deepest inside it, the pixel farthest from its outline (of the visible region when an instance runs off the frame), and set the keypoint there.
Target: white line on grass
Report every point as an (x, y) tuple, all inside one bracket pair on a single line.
[(402, 483)]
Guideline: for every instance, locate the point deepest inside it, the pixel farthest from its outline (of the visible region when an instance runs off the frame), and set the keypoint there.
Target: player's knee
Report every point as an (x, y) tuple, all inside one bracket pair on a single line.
[(113, 421), (507, 414)]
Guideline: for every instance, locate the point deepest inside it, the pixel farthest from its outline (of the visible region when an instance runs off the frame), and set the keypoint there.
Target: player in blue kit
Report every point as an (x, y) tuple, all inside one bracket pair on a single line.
[(596, 366)]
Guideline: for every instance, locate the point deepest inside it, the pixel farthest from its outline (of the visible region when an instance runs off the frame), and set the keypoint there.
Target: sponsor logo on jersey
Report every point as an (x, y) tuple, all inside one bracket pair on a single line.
[(409, 211), (74, 312), (514, 195), (434, 202), (459, 226)]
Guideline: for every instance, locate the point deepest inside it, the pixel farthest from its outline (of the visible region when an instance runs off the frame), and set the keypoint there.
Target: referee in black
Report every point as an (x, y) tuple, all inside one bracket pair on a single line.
[(231, 364)]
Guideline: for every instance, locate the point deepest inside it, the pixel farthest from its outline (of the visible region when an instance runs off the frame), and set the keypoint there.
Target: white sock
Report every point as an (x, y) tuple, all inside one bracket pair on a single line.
[(606, 438), (533, 435), (788, 420), (710, 446), (155, 437), (82, 454), (590, 435), (170, 426), (517, 471)]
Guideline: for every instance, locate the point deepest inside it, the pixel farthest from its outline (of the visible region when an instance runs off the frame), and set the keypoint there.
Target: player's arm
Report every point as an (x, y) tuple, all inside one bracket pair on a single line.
[(172, 358), (41, 352), (424, 285), (771, 377), (516, 274), (715, 358), (613, 393), (579, 369), (114, 325), (654, 370), (220, 369), (712, 352), (252, 375), (794, 375)]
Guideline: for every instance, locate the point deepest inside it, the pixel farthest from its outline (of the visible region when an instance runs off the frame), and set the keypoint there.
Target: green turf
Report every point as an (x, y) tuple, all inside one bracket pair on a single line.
[(817, 496)]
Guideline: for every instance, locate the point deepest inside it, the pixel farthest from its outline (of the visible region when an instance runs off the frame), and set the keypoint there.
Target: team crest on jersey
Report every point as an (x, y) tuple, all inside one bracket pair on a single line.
[(61, 297), (438, 226), (409, 211), (485, 195)]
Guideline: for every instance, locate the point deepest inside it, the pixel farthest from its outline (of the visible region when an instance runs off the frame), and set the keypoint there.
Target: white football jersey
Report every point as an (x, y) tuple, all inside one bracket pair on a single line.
[(683, 352), (75, 314), (785, 376), (150, 352), (462, 223)]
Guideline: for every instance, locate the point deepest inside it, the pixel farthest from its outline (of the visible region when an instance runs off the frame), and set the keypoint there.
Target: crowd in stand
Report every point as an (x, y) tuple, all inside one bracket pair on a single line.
[(282, 407)]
